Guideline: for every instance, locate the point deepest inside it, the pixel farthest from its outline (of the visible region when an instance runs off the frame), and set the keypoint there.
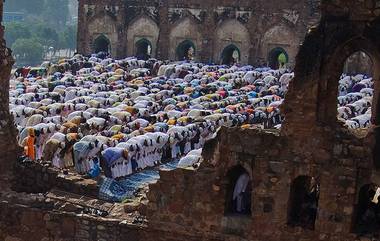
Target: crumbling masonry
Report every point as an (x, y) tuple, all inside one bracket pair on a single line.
[(258, 30), (190, 205)]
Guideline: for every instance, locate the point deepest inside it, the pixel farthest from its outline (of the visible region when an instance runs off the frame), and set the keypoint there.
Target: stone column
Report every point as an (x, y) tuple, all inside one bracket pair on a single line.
[(81, 36), (9, 149), (163, 38)]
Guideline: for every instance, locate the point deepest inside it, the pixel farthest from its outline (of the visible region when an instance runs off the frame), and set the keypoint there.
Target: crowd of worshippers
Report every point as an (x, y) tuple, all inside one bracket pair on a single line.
[(355, 100), (98, 114)]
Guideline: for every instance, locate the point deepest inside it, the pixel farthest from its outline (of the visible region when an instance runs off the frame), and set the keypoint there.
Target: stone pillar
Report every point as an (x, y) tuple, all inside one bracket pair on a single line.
[(9, 149), (163, 38), (208, 39), (81, 35)]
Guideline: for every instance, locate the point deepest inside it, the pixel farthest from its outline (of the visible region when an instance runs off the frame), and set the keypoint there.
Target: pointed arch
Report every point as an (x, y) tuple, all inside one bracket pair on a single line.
[(227, 57), (183, 48), (143, 27), (277, 40), (277, 57), (232, 32), (106, 26), (185, 30), (101, 44), (143, 49)]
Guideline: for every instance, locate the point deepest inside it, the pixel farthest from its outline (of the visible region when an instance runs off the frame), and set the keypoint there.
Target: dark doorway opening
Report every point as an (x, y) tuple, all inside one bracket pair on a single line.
[(367, 211), (185, 50), (303, 202), (230, 55), (102, 44), (278, 58), (143, 49), (238, 194)]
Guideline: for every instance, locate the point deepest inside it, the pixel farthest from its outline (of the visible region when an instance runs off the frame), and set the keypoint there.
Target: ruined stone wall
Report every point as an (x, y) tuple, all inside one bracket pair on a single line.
[(37, 221), (194, 201), (255, 27), (8, 146), (31, 177), (190, 204)]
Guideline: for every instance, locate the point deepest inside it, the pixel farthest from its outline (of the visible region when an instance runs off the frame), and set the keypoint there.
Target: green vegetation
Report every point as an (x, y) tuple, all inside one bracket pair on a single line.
[(28, 51), (44, 29)]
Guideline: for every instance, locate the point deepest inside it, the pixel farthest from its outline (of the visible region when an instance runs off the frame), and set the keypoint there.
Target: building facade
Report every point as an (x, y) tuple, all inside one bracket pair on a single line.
[(249, 32)]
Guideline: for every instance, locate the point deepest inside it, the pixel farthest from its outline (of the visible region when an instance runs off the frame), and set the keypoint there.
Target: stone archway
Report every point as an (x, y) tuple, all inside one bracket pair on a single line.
[(277, 58), (142, 29), (106, 26), (184, 49), (186, 30), (143, 49), (231, 54), (320, 75), (101, 44), (277, 40), (234, 33), (333, 69)]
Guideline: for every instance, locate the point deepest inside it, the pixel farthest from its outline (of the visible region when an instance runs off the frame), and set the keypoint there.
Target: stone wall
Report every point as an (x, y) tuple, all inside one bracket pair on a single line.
[(32, 177), (37, 221), (194, 201), (210, 25)]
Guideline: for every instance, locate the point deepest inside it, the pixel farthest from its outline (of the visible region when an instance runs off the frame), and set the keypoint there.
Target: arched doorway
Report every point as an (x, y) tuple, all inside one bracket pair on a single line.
[(278, 58), (230, 55), (238, 192), (185, 50), (101, 44), (367, 210), (303, 202), (356, 80), (358, 63), (143, 49)]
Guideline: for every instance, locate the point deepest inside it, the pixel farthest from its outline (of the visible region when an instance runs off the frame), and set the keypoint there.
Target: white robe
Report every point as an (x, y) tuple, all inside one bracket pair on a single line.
[(240, 187)]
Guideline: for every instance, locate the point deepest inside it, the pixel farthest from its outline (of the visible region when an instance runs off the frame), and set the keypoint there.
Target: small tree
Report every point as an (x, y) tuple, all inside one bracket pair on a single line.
[(14, 31), (48, 36), (69, 38), (28, 51)]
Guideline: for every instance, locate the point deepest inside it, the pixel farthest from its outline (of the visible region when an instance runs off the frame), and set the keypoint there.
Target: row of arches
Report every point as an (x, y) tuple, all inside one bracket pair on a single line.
[(230, 55), (303, 202), (232, 41)]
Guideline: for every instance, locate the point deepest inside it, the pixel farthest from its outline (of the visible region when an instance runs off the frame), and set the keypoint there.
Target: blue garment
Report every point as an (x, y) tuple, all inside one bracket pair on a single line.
[(112, 154), (134, 164), (95, 171), (252, 94)]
